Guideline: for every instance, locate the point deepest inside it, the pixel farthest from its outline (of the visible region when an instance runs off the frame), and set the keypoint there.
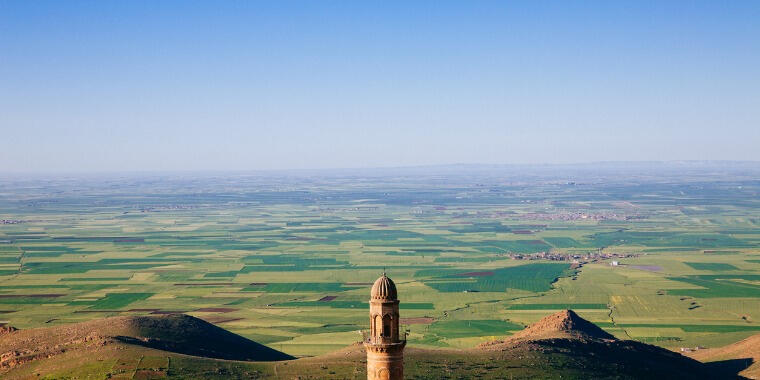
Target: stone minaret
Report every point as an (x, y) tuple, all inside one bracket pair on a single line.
[(385, 347)]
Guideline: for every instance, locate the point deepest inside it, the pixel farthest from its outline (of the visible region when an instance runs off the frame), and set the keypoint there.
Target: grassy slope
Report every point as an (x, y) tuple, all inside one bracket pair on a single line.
[(745, 354), (588, 354), (174, 333), (544, 359)]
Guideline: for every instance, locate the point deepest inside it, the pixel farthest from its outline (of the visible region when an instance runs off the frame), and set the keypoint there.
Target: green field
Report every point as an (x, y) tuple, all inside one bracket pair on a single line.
[(712, 266), (289, 261)]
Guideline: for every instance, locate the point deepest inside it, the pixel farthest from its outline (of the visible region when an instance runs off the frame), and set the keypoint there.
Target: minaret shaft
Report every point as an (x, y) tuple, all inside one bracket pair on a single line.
[(385, 348)]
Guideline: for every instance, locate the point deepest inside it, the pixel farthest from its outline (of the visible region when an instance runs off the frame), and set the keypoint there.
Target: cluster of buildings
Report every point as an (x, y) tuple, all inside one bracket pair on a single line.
[(348, 209), (574, 216), (167, 208), (11, 221), (555, 216), (588, 257)]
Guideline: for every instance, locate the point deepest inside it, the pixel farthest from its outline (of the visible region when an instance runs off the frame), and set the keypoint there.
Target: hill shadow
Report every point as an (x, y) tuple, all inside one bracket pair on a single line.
[(192, 336), (728, 369)]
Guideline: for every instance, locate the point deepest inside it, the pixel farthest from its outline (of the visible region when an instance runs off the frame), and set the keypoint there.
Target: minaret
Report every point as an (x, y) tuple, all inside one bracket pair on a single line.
[(385, 348)]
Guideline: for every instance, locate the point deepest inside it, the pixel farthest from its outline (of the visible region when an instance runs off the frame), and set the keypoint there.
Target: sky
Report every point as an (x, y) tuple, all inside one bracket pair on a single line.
[(251, 85)]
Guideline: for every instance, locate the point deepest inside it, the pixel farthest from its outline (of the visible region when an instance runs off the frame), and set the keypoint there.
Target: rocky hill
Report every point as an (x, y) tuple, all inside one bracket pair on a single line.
[(564, 324), (585, 345)]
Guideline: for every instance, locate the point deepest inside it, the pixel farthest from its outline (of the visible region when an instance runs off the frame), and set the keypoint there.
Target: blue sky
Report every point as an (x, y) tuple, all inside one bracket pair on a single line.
[(237, 85)]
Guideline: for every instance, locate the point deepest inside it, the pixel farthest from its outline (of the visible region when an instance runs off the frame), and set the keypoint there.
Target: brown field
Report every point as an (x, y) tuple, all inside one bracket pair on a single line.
[(417, 321)]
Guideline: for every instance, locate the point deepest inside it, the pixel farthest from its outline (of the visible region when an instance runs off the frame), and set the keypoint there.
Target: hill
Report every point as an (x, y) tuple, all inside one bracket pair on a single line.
[(173, 333), (564, 324), (561, 344), (160, 347), (585, 345), (742, 356)]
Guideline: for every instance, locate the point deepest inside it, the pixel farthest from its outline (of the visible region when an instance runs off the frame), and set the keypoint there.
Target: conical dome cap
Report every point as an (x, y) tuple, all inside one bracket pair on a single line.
[(384, 289)]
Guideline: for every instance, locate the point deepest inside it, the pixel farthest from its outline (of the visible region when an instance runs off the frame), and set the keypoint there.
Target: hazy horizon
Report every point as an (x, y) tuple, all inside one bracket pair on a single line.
[(661, 168), (234, 86)]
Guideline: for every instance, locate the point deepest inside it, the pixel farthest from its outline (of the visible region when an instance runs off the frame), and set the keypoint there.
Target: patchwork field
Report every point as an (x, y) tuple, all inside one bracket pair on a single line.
[(288, 261)]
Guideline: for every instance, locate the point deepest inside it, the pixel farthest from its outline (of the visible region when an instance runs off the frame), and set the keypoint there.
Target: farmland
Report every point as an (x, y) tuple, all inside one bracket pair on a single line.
[(288, 260)]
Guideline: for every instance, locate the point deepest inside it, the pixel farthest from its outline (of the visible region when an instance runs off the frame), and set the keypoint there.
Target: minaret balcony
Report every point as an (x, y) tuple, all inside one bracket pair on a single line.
[(368, 338)]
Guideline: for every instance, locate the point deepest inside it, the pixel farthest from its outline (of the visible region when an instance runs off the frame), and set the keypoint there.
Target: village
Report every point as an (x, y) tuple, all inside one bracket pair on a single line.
[(575, 258), (11, 221)]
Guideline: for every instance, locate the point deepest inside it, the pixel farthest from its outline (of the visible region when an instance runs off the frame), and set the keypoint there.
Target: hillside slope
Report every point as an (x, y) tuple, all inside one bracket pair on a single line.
[(585, 345), (173, 333), (562, 344), (559, 345), (745, 356), (565, 324)]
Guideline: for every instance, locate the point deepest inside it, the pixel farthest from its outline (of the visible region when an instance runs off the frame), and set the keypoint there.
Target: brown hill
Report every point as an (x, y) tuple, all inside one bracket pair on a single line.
[(174, 333), (743, 355), (564, 324), (582, 344)]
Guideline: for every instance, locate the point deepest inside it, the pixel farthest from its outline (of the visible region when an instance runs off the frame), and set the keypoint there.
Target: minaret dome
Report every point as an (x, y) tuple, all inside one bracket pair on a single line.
[(384, 289)]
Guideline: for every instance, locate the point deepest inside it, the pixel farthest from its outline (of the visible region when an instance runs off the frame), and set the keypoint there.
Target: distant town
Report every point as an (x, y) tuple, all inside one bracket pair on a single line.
[(576, 259), (11, 221)]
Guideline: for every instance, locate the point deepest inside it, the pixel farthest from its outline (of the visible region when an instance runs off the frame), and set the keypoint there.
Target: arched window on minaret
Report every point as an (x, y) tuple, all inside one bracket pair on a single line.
[(378, 326), (386, 326)]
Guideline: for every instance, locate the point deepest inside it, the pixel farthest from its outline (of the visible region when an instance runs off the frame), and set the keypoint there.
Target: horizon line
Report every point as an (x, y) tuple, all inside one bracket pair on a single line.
[(374, 168)]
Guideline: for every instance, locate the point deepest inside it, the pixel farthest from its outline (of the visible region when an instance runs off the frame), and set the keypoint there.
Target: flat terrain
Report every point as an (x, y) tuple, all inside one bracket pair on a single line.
[(287, 261)]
